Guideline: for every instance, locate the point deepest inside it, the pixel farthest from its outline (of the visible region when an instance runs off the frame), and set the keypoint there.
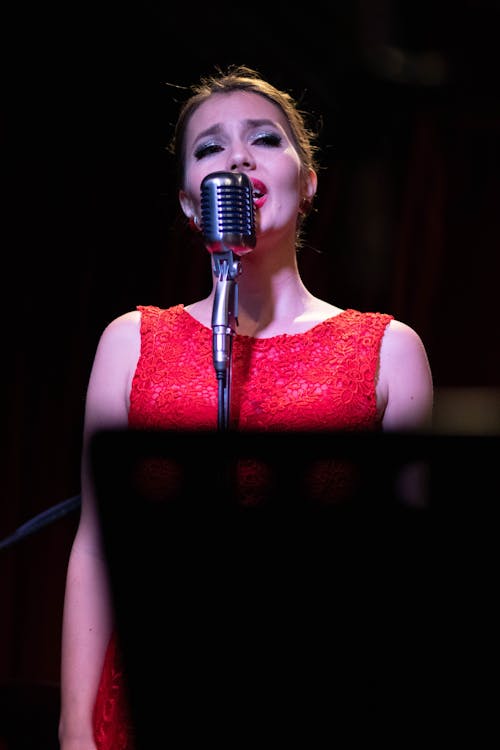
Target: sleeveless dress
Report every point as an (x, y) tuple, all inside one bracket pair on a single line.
[(322, 379)]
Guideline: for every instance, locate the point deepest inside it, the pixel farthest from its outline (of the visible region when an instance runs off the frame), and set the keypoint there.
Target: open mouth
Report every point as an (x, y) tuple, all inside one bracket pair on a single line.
[(259, 193)]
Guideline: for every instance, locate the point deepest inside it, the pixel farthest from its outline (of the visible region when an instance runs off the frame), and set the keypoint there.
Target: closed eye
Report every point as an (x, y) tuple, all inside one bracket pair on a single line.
[(207, 149), (268, 139)]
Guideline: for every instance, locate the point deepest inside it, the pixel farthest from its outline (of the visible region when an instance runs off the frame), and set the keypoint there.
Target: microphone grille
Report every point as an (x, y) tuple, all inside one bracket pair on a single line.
[(227, 211)]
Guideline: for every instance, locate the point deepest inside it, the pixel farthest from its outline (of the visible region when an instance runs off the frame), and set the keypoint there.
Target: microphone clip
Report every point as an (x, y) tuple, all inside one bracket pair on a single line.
[(225, 265)]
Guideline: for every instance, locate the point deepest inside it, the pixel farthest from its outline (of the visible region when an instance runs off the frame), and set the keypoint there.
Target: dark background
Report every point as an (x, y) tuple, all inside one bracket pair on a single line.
[(408, 219)]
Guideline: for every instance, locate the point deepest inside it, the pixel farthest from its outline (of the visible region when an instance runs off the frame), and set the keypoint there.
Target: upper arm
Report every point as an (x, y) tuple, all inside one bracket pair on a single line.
[(406, 380), (88, 615), (107, 402), (108, 391)]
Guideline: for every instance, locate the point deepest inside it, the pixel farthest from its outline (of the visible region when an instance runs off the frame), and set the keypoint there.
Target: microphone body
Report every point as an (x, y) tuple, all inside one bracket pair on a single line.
[(227, 212), (228, 227)]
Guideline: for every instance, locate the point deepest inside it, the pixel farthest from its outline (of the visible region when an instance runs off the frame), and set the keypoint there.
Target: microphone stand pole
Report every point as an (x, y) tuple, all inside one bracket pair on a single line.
[(226, 267)]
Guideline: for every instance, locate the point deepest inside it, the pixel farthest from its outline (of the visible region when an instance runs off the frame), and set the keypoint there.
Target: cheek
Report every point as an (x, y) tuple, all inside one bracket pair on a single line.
[(291, 172), (293, 161), (290, 186), (194, 174), (192, 188)]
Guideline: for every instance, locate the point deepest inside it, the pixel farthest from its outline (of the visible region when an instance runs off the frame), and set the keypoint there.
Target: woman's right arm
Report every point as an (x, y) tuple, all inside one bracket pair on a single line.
[(87, 617)]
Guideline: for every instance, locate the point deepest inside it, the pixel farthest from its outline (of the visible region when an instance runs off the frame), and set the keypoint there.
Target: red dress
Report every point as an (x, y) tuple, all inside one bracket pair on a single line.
[(323, 379)]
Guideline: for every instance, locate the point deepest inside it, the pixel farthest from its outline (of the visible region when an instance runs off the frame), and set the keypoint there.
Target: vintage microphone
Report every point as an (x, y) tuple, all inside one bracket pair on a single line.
[(228, 227)]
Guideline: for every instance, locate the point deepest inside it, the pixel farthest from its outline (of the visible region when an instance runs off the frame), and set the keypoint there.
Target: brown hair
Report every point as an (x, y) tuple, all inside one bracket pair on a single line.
[(243, 78)]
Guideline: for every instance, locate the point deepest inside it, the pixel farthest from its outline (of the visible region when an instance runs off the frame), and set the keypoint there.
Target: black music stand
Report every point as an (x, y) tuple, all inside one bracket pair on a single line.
[(280, 619)]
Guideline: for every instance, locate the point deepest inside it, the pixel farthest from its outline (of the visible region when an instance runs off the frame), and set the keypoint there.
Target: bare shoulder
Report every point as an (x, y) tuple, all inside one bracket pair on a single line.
[(401, 339), (128, 324), (405, 379), (113, 368), (119, 345)]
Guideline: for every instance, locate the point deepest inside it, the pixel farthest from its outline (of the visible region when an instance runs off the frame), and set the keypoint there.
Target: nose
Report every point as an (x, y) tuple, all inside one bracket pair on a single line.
[(240, 158)]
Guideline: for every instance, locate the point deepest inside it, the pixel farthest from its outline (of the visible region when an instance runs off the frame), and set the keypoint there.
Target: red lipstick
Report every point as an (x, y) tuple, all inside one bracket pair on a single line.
[(259, 193)]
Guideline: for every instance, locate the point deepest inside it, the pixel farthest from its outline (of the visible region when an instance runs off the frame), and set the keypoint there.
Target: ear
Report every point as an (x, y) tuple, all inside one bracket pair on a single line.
[(186, 204), (310, 184)]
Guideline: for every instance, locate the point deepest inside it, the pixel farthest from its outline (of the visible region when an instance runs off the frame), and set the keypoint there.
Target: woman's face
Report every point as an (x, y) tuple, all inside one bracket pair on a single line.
[(245, 132)]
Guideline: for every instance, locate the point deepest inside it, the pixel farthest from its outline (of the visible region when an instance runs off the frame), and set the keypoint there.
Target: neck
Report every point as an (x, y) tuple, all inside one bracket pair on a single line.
[(272, 298)]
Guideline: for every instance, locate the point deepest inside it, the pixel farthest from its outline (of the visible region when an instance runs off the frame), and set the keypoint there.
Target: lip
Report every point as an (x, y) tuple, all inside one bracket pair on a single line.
[(262, 190)]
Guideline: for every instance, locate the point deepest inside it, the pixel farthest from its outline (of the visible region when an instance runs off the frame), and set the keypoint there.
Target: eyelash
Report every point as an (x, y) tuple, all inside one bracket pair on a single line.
[(273, 140), (269, 139)]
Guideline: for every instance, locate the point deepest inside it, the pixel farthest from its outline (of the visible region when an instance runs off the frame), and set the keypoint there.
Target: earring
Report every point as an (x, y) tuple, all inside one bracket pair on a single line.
[(193, 223), (305, 207)]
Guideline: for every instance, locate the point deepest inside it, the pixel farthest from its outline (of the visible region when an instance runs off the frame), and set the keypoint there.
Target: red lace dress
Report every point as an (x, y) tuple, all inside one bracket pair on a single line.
[(323, 379)]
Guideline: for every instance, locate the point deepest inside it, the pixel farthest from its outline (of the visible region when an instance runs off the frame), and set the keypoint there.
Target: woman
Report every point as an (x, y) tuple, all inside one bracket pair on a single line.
[(299, 362)]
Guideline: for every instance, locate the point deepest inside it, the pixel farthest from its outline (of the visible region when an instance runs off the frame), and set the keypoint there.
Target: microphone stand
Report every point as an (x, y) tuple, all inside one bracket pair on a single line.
[(226, 266)]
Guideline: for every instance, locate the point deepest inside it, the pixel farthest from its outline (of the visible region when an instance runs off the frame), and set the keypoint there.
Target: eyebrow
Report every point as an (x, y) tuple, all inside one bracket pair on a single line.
[(217, 128)]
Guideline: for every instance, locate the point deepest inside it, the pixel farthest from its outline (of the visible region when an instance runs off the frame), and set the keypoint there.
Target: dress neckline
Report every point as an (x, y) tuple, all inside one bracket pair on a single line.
[(242, 336)]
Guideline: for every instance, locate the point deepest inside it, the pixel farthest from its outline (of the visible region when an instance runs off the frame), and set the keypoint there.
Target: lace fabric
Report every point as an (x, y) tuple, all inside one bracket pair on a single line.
[(113, 729), (323, 379)]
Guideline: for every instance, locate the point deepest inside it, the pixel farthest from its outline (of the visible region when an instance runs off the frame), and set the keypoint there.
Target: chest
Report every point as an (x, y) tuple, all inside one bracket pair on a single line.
[(292, 386)]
